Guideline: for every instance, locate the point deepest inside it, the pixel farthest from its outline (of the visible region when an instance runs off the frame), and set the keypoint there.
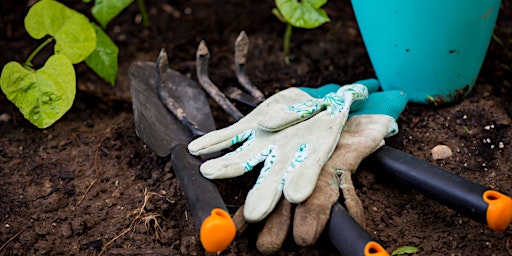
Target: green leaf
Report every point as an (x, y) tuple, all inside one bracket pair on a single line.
[(86, 1), (104, 58), (106, 10), (44, 95), (405, 250), (303, 14), (73, 33)]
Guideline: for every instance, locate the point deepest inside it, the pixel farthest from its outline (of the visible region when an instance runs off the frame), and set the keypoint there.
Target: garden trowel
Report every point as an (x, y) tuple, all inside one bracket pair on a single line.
[(156, 91)]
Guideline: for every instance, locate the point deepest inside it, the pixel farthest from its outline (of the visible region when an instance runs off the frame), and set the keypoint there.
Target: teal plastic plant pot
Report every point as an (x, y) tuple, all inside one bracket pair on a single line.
[(430, 49)]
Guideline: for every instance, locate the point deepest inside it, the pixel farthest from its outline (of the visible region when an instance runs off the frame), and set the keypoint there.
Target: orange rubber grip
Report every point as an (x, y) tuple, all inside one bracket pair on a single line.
[(499, 211), (217, 231), (374, 249)]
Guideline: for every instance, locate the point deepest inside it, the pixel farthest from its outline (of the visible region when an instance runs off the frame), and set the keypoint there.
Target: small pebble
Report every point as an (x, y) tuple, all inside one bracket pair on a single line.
[(5, 117), (116, 194), (441, 152)]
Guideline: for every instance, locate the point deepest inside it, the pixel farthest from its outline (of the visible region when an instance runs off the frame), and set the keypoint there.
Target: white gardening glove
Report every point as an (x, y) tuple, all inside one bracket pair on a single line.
[(363, 133), (293, 150)]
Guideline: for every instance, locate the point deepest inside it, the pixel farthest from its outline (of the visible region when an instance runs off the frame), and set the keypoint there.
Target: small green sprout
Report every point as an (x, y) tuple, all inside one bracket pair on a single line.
[(506, 45), (405, 250), (306, 14), (432, 100)]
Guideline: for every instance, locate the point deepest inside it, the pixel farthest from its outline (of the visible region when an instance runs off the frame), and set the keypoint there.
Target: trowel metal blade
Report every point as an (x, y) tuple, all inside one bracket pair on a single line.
[(157, 126)]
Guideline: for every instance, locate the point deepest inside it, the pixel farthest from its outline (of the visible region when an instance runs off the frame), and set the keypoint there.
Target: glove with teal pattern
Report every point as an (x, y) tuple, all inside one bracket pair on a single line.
[(293, 133)]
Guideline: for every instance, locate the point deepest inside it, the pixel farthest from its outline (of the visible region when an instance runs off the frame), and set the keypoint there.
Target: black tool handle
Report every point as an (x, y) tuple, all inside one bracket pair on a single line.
[(464, 196), (349, 238), (215, 226)]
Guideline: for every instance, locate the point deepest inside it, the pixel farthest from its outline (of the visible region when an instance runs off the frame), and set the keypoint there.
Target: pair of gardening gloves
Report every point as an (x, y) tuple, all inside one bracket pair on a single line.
[(310, 142)]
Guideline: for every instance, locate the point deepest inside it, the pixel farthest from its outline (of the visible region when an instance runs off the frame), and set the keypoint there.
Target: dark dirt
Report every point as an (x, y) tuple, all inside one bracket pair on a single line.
[(71, 188)]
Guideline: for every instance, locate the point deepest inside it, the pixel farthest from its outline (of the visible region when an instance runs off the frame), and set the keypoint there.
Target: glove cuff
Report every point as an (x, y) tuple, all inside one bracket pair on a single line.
[(390, 103), (372, 84)]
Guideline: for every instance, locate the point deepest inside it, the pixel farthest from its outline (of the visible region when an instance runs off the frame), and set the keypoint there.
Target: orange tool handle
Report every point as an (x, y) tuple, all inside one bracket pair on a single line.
[(217, 231), (464, 196), (349, 238), (215, 226)]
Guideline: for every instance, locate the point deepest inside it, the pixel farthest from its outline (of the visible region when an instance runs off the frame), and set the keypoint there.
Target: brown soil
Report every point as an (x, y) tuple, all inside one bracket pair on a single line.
[(71, 188)]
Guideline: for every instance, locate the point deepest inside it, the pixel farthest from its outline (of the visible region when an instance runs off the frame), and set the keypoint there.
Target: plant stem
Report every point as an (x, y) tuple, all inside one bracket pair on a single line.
[(143, 12), (287, 38), (286, 42), (28, 62)]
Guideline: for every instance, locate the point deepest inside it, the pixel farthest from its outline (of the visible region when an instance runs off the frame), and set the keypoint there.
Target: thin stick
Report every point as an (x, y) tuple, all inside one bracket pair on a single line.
[(96, 157), (86, 191), (113, 239), (139, 211), (508, 248), (10, 239), (160, 251)]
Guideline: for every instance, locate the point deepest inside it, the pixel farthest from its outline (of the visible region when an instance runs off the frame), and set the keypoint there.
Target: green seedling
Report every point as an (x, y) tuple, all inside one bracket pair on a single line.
[(432, 100), (306, 14), (44, 95), (507, 49), (466, 129), (405, 250)]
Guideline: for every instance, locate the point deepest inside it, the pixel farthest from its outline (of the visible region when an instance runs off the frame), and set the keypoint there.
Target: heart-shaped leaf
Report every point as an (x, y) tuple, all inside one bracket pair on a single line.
[(104, 58), (303, 14), (105, 10), (43, 95), (73, 33)]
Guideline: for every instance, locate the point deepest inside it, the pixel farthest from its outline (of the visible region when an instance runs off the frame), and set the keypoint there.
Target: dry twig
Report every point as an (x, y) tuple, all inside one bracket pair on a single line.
[(159, 251), (86, 191), (10, 239), (508, 246), (96, 157), (141, 216)]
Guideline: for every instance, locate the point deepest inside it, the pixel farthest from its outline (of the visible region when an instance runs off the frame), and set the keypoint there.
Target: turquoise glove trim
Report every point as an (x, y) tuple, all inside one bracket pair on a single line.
[(320, 92), (372, 84), (390, 103)]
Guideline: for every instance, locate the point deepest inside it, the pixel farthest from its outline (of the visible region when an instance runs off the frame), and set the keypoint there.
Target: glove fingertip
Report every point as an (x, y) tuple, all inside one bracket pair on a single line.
[(297, 195), (268, 246), (299, 187), (308, 224), (275, 230), (197, 146), (192, 149), (260, 202), (216, 169)]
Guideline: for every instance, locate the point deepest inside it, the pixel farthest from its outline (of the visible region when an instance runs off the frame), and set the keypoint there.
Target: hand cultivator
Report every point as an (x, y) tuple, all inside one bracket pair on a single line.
[(170, 110)]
